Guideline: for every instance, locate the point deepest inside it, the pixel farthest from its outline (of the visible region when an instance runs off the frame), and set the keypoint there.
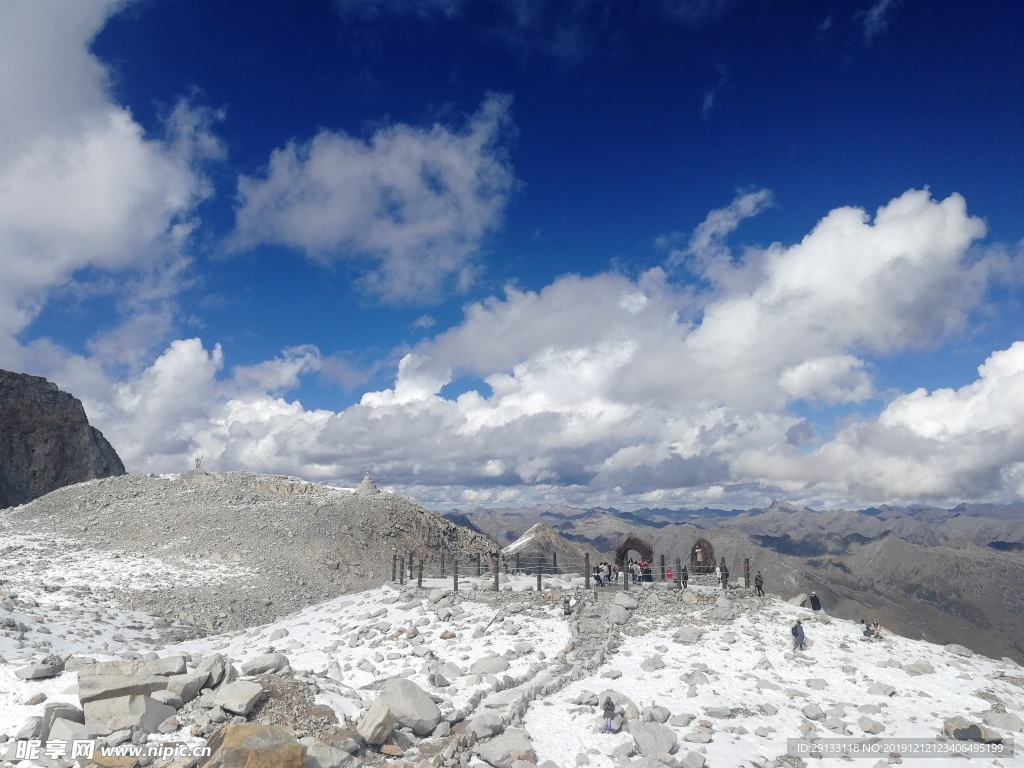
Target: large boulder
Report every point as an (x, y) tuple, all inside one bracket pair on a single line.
[(141, 713), (98, 687), (254, 745), (1005, 721), (502, 751), (411, 705), (46, 442), (489, 665), (377, 724), (238, 697), (652, 738), (687, 635), (265, 664), (168, 665), (962, 729)]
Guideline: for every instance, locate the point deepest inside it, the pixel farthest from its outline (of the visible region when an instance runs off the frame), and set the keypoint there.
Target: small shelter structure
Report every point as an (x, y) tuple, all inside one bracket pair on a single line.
[(702, 557)]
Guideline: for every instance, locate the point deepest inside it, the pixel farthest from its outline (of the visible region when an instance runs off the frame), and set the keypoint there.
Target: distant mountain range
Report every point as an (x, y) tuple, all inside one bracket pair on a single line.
[(943, 575)]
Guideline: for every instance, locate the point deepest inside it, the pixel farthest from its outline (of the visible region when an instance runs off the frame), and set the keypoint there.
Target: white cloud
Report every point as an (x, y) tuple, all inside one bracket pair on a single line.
[(415, 203), (81, 186), (874, 20)]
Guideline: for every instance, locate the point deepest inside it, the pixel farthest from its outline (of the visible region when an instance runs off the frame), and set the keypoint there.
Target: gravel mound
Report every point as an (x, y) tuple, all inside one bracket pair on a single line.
[(224, 550)]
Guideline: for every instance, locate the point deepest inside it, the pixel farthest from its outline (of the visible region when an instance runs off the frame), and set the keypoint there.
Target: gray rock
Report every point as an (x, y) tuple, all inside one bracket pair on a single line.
[(681, 720), (618, 615), (411, 706), (627, 602), (238, 697), (169, 665), (880, 689), (718, 712), (46, 441), (377, 724), (186, 687), (813, 712), (214, 665), (958, 650), (962, 729), (919, 667), (694, 760), (97, 687), (687, 635), (266, 664), (652, 738), (38, 671), (1005, 721), (54, 711), (140, 713), (485, 725), (489, 665), (652, 664), (320, 755), (868, 725), (503, 750)]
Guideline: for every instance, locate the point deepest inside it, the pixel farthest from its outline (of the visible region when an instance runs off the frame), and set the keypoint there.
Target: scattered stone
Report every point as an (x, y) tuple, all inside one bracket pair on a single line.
[(255, 745), (962, 729)]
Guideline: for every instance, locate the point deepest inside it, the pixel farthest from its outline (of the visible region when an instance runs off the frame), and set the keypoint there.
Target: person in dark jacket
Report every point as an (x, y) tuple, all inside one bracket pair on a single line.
[(759, 584), (724, 572), (798, 636), (609, 714), (684, 576), (815, 602)]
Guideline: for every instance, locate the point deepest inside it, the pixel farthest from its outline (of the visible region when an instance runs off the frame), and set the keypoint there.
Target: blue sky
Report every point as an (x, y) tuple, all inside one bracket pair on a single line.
[(675, 252)]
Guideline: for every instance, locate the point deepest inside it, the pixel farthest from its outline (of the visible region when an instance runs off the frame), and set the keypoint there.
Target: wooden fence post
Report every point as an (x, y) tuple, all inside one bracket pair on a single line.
[(662, 567), (586, 570), (477, 563), (419, 576), (455, 574)]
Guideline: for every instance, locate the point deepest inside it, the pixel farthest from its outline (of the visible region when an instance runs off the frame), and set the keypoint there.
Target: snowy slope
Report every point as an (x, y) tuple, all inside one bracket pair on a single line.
[(745, 664)]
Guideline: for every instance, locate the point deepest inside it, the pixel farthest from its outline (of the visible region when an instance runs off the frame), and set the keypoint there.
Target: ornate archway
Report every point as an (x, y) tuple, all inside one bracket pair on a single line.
[(638, 545), (702, 557)]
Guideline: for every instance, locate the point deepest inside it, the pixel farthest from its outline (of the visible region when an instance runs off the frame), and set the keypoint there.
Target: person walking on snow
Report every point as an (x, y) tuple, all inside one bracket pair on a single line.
[(798, 636), (609, 713), (759, 584), (815, 602)]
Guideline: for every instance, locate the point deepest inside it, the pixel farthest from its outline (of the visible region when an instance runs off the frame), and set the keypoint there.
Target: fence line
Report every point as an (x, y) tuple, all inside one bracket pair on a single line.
[(406, 567)]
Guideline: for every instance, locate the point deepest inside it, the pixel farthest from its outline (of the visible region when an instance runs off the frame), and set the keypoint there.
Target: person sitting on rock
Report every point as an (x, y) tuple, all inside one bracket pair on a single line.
[(876, 630), (865, 629), (609, 714), (798, 636)]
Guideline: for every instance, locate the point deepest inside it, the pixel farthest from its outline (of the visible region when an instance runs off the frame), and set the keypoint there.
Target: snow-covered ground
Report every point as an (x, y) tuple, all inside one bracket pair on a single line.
[(745, 664)]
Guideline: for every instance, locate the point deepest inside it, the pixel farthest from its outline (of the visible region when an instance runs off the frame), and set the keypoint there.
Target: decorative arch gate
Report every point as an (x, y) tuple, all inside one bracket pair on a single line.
[(702, 557), (638, 545)]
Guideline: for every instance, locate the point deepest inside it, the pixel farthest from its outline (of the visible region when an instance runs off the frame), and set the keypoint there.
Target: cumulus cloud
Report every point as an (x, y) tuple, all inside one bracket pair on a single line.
[(607, 389), (81, 185), (413, 203)]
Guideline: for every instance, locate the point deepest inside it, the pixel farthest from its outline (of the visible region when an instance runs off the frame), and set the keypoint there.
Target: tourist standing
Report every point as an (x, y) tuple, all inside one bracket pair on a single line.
[(798, 636), (759, 584)]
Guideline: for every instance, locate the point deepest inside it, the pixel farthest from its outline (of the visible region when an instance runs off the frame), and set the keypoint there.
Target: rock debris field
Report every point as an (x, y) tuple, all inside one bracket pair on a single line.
[(703, 677)]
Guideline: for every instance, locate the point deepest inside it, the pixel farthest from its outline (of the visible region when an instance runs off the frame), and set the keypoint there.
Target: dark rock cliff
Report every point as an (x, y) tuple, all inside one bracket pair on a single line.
[(46, 441)]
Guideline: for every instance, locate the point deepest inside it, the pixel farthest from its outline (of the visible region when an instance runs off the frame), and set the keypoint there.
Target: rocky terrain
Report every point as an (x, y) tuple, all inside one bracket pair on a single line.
[(46, 441), (259, 546), (947, 576), (700, 678)]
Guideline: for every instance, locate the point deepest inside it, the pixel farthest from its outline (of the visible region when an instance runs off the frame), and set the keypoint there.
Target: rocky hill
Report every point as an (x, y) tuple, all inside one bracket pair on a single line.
[(220, 549), (46, 441)]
